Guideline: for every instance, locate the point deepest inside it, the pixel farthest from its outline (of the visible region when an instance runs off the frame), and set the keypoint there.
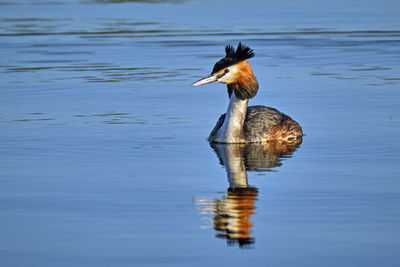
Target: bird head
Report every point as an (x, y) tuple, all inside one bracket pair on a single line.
[(235, 71)]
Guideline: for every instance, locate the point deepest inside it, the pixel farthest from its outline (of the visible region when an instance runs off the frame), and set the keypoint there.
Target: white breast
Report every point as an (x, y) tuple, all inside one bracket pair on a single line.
[(232, 128)]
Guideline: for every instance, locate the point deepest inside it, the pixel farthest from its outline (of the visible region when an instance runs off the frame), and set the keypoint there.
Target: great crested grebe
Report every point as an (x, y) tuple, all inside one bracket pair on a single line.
[(242, 124)]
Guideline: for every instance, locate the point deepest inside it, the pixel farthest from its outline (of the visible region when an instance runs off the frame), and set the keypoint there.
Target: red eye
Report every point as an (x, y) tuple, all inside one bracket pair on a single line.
[(226, 70)]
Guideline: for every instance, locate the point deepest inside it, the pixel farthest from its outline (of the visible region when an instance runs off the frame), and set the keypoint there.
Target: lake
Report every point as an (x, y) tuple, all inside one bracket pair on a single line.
[(104, 158)]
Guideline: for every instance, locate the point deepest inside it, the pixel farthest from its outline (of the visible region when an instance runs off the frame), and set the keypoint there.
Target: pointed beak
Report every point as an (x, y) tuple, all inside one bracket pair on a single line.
[(208, 79)]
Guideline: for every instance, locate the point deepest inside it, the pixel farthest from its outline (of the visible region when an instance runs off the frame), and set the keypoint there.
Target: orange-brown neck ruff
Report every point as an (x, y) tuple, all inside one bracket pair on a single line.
[(245, 84)]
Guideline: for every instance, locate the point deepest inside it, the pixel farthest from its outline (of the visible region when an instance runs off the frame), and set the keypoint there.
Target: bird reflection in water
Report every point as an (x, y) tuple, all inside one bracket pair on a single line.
[(231, 214)]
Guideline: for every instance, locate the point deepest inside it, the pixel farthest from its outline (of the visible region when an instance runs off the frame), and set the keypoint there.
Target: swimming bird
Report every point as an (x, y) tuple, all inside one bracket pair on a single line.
[(243, 124)]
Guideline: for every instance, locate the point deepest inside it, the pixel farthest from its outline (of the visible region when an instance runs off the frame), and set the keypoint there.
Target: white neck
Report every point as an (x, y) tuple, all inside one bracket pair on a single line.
[(232, 129)]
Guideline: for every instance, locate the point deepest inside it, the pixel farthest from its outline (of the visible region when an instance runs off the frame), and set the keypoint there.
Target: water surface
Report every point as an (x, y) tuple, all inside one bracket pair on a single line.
[(103, 152)]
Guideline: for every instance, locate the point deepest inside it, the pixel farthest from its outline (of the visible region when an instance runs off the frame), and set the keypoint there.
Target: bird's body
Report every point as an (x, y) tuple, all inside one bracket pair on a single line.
[(243, 124), (260, 124)]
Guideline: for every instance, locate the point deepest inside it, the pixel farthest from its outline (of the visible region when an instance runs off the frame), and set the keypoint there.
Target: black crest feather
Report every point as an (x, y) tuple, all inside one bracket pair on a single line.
[(243, 52), (230, 51), (232, 57)]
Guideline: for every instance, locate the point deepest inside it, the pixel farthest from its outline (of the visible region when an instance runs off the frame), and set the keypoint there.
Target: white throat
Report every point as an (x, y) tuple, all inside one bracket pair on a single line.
[(232, 129)]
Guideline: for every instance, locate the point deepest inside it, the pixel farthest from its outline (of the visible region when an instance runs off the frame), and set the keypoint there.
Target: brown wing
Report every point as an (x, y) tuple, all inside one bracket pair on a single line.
[(218, 125), (268, 124)]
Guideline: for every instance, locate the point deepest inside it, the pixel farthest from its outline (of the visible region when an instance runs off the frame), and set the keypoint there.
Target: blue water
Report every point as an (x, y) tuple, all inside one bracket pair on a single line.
[(103, 152)]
